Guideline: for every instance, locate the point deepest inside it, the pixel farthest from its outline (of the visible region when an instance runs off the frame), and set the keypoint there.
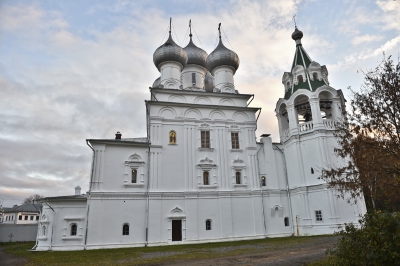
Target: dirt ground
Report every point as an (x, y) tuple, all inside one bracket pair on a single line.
[(300, 254), (7, 259)]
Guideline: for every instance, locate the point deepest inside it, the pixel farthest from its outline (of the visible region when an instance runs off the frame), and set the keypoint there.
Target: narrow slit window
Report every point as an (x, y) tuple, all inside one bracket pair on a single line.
[(194, 78), (73, 229), (172, 137), (208, 224), (238, 178), (312, 170), (134, 176), (205, 139), (206, 178), (263, 181), (235, 140), (315, 76), (125, 229)]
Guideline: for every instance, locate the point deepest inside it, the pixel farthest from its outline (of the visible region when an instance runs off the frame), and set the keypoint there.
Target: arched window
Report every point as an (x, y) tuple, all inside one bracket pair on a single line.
[(172, 137), (208, 224), (299, 78), (312, 170), (73, 229), (194, 79), (125, 230), (315, 75), (44, 230), (134, 176), (206, 178), (238, 178), (263, 181), (286, 221)]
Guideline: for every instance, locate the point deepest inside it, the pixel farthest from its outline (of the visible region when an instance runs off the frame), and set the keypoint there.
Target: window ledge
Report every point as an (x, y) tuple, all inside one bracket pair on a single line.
[(207, 186), (42, 238), (240, 185), (134, 185), (206, 149), (173, 144), (44, 222), (71, 238), (236, 150)]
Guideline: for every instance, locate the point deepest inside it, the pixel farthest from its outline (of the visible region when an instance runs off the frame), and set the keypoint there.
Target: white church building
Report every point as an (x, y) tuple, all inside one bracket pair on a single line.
[(200, 175)]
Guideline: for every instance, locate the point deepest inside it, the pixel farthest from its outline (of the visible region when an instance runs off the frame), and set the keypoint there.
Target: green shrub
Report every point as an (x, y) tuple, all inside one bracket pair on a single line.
[(376, 242)]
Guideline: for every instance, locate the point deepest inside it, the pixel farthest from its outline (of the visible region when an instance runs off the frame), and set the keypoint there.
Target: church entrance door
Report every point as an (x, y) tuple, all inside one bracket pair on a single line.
[(176, 230)]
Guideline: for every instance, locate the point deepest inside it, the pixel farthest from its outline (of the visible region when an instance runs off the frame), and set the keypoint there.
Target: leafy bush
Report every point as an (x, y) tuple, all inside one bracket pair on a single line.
[(376, 242)]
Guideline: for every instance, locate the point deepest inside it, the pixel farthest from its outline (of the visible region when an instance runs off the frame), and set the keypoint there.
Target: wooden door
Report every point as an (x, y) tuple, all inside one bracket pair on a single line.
[(176, 230)]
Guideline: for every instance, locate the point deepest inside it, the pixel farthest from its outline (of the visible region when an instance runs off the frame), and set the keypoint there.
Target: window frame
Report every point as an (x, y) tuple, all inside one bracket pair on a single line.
[(318, 216), (238, 178), (125, 229), (286, 221), (73, 232), (263, 181), (206, 178), (205, 139), (208, 225), (235, 141), (134, 178)]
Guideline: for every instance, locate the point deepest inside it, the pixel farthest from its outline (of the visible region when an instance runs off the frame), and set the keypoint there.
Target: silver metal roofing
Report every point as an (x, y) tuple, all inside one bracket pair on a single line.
[(297, 34), (169, 51), (27, 207), (209, 82), (222, 56), (196, 55), (156, 82)]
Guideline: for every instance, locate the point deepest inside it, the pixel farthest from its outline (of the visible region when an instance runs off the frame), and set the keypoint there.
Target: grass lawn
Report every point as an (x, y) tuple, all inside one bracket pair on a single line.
[(150, 255)]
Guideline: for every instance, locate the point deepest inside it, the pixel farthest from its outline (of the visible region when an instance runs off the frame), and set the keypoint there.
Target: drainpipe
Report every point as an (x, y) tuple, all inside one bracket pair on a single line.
[(262, 196), (88, 198), (288, 191), (148, 174)]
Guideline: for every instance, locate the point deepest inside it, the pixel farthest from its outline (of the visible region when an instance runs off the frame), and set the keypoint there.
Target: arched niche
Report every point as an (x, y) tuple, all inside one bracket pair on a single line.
[(226, 102), (167, 112), (177, 98), (217, 115), (202, 100), (283, 117), (302, 109), (240, 117), (193, 113)]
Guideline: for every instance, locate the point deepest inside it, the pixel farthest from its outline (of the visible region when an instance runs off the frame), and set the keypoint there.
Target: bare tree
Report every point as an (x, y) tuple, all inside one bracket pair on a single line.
[(31, 198), (369, 139)]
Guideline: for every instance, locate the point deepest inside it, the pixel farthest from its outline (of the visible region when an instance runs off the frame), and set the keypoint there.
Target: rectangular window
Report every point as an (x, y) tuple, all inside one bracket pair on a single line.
[(31, 218), (20, 217), (235, 140), (26, 217), (37, 218), (205, 139), (318, 216), (194, 78), (206, 180), (238, 178), (134, 176)]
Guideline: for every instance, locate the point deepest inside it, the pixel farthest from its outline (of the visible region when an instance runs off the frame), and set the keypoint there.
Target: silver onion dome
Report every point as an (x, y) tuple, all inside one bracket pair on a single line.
[(169, 51), (196, 55), (297, 34), (209, 82), (222, 56)]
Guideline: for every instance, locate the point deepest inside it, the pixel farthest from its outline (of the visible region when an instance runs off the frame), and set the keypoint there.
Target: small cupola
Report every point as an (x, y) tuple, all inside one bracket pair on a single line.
[(170, 59), (222, 63)]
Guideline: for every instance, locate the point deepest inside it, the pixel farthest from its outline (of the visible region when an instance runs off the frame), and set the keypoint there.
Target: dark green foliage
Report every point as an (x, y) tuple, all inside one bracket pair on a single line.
[(377, 242)]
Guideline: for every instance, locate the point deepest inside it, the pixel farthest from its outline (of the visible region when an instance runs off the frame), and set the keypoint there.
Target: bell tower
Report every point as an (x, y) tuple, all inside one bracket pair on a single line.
[(307, 115)]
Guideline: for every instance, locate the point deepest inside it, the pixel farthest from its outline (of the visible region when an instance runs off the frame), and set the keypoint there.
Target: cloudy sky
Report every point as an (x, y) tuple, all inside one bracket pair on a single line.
[(74, 70)]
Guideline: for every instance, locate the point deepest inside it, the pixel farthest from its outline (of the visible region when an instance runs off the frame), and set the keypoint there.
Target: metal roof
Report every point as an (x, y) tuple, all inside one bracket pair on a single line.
[(169, 51), (196, 55), (222, 56), (27, 207)]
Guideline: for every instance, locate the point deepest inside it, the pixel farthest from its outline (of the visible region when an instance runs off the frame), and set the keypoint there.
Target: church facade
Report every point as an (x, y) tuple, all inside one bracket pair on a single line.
[(200, 175)]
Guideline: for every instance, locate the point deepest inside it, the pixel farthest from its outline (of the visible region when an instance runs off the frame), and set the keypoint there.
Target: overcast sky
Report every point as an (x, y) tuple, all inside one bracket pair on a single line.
[(75, 70)]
